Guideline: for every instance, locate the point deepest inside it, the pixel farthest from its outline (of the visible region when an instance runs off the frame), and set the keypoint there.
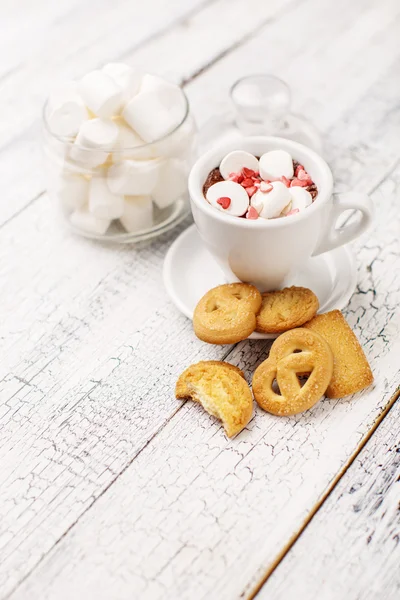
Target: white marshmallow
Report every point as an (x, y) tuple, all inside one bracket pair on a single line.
[(257, 201), (131, 146), (133, 177), (179, 143), (156, 113), (301, 198), (128, 79), (138, 213), (229, 189), (235, 161), (66, 110), (171, 183), (276, 164), (101, 94), (102, 203), (94, 141), (82, 219), (73, 190), (274, 201)]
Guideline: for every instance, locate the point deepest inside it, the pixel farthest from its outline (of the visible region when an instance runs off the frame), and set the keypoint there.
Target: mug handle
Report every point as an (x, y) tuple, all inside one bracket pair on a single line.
[(342, 235)]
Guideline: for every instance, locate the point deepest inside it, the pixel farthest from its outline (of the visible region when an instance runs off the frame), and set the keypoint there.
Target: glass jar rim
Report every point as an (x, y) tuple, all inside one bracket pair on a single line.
[(70, 141)]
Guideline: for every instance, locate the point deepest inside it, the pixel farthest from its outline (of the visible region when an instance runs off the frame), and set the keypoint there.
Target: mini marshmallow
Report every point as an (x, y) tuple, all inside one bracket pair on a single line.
[(137, 214), (133, 177), (239, 200), (171, 183), (101, 94), (274, 201), (235, 161), (130, 145), (128, 79), (102, 203), (94, 141), (156, 113), (73, 190), (66, 110), (301, 198), (276, 164), (82, 219)]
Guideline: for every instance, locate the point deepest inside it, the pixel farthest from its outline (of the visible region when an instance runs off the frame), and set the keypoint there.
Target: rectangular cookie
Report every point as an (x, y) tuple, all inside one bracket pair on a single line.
[(351, 371)]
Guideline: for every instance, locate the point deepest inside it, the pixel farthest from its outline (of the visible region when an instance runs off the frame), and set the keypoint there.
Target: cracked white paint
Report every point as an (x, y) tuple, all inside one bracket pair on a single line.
[(91, 346)]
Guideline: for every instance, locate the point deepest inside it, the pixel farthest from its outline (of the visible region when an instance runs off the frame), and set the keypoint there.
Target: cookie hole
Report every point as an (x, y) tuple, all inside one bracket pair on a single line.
[(237, 295), (297, 351), (302, 379), (212, 306), (275, 387)]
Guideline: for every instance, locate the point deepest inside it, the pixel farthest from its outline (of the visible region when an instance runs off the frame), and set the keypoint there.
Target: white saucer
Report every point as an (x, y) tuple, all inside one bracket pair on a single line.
[(190, 271)]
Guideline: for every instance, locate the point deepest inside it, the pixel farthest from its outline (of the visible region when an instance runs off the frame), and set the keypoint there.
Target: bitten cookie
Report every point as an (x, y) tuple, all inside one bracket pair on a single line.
[(222, 391), (286, 309), (351, 371), (227, 314), (296, 352)]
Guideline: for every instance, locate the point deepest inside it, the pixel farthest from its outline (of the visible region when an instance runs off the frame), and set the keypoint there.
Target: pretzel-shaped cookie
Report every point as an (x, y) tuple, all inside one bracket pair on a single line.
[(294, 353), (227, 314)]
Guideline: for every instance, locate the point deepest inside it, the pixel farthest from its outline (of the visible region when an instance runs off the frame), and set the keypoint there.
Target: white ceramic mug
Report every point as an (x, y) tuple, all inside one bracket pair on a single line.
[(265, 252)]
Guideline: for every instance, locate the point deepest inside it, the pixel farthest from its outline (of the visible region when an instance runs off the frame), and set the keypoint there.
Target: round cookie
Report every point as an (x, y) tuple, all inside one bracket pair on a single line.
[(286, 309), (222, 391), (227, 314), (293, 353)]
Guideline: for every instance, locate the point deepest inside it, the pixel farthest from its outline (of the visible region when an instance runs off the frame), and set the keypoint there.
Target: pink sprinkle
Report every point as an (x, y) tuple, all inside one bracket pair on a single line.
[(252, 213), (292, 212), (303, 176), (285, 180), (224, 201), (298, 168), (265, 187), (251, 190), (299, 183), (233, 177)]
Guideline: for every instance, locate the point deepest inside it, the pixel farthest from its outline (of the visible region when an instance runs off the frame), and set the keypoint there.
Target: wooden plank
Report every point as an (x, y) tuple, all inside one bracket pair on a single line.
[(77, 331), (162, 52), (351, 547), (193, 505)]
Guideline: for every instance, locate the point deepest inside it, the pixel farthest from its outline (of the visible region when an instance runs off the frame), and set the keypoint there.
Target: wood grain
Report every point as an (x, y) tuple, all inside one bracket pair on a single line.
[(92, 346), (351, 548), (193, 505)]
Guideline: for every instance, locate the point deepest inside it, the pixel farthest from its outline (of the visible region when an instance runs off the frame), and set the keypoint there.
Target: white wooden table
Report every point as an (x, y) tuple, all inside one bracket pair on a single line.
[(110, 488)]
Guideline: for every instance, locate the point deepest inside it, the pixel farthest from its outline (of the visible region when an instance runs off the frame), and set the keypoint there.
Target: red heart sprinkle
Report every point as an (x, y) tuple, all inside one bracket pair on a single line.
[(285, 180), (247, 182), (292, 212), (299, 183), (265, 187), (234, 177), (251, 190), (224, 201), (249, 172), (252, 213)]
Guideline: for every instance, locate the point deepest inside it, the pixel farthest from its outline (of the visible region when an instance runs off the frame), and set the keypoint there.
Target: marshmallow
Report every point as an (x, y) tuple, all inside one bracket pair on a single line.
[(73, 190), (101, 94), (171, 183), (234, 192), (179, 143), (257, 201), (133, 177), (137, 214), (128, 79), (235, 161), (276, 164), (156, 113), (301, 198), (66, 111), (84, 220), (130, 145), (102, 203), (274, 201), (94, 141)]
